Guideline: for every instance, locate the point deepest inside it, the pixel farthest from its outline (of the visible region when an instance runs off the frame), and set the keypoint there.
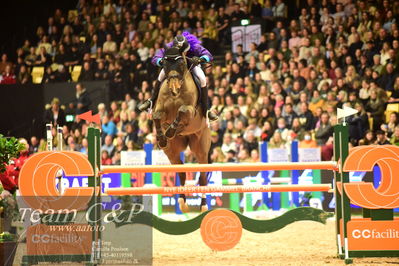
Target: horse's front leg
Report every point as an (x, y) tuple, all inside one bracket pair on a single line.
[(184, 115), (161, 139)]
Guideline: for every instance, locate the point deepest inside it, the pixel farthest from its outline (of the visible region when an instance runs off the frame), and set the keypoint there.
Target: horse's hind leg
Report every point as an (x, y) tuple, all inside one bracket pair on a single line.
[(184, 115), (177, 145), (161, 139)]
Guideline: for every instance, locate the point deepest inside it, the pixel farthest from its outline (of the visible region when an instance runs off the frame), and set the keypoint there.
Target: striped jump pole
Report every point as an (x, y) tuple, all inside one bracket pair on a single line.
[(328, 165), (215, 189)]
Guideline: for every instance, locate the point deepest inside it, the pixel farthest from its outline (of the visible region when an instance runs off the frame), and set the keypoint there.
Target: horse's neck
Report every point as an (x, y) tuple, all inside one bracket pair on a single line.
[(189, 88)]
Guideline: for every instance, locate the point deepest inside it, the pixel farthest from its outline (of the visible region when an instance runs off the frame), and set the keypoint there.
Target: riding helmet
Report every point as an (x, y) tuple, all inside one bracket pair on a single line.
[(181, 42)]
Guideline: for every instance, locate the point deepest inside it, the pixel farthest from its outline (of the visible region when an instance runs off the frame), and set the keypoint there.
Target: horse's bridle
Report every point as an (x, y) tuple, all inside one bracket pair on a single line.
[(188, 69)]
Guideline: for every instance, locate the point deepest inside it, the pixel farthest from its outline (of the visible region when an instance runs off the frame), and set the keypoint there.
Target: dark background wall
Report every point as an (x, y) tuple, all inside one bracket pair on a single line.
[(22, 106), (19, 20)]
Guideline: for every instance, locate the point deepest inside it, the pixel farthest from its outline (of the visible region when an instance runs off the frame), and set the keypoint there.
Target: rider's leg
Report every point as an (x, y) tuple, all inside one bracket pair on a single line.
[(151, 102), (197, 70)]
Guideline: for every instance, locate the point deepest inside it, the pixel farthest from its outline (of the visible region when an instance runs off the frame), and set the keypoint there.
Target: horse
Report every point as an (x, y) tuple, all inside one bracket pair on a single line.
[(179, 120)]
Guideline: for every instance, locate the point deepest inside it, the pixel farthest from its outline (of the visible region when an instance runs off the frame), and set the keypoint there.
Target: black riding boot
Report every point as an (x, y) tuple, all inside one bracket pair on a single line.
[(205, 105), (151, 102)]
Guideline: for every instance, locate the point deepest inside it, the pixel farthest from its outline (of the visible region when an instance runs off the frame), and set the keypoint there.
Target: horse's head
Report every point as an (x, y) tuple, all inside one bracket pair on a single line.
[(175, 68)]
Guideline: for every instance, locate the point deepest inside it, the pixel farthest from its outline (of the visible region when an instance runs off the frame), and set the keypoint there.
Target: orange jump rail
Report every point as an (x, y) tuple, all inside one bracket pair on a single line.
[(227, 167), (215, 189)]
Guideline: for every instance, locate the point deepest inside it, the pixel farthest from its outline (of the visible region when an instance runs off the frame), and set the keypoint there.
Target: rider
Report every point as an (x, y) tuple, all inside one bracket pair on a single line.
[(190, 45)]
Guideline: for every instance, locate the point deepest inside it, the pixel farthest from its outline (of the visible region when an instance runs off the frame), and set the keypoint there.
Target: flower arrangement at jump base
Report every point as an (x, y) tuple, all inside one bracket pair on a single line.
[(9, 149)]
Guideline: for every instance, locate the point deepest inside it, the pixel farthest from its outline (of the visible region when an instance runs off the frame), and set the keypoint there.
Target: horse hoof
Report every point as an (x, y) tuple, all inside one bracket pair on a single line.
[(162, 141), (170, 133), (183, 205), (204, 208)]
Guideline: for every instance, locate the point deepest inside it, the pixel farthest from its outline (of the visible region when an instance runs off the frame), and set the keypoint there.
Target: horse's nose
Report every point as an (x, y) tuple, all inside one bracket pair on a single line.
[(174, 76)]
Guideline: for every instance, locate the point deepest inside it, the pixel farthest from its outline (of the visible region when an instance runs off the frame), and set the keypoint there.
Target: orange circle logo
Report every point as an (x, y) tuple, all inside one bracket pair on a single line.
[(221, 230)]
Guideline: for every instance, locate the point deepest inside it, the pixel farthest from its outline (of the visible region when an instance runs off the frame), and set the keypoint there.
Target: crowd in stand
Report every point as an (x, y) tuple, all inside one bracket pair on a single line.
[(287, 87)]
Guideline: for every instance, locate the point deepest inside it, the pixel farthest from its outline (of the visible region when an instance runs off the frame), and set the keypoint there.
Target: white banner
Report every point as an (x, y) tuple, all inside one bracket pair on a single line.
[(245, 35), (277, 155), (132, 158), (159, 158), (309, 154)]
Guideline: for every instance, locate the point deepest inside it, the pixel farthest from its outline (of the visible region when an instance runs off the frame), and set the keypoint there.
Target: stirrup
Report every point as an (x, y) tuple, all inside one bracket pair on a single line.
[(208, 122), (149, 110)]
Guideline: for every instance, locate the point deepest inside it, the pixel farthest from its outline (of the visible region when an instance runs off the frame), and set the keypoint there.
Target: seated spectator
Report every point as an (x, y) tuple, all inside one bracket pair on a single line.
[(368, 139), (108, 145), (4, 63), (116, 159), (109, 46), (324, 131), (276, 141), (101, 72), (87, 73), (24, 76), (108, 127), (296, 132), (288, 114), (231, 157), (306, 117), (243, 156), (34, 145), (85, 146), (43, 58), (375, 109), (62, 74), (381, 138), (254, 156), (395, 137), (8, 77), (267, 131), (48, 76), (218, 156), (105, 158), (307, 141), (282, 128), (228, 144), (316, 101), (250, 142)]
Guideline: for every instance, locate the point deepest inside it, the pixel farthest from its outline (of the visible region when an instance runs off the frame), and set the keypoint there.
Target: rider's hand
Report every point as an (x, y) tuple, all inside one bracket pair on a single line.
[(161, 62), (196, 60)]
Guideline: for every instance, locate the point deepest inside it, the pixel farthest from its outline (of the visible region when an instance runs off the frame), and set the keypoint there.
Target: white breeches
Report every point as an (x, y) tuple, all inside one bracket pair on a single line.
[(197, 71)]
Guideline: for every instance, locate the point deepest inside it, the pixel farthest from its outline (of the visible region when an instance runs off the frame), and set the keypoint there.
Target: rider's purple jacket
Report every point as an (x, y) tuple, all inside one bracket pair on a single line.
[(196, 49)]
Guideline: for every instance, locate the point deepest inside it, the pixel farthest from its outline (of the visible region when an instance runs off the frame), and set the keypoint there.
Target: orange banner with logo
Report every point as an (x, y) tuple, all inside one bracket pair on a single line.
[(364, 234)]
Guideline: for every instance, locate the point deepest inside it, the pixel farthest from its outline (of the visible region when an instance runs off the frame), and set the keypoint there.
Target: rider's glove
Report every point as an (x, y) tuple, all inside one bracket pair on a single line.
[(196, 60)]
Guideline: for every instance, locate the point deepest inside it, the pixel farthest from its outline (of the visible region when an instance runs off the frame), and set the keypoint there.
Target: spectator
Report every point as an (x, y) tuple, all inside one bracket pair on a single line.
[(218, 156), (87, 73), (369, 138), (105, 159), (109, 46), (24, 76), (395, 137), (108, 146), (83, 100), (34, 145), (381, 138), (55, 115), (4, 63), (7, 76), (277, 141), (375, 109), (324, 131), (108, 127)]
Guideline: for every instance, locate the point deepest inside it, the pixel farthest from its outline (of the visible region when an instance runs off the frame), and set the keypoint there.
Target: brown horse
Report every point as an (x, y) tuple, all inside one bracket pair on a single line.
[(179, 120)]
